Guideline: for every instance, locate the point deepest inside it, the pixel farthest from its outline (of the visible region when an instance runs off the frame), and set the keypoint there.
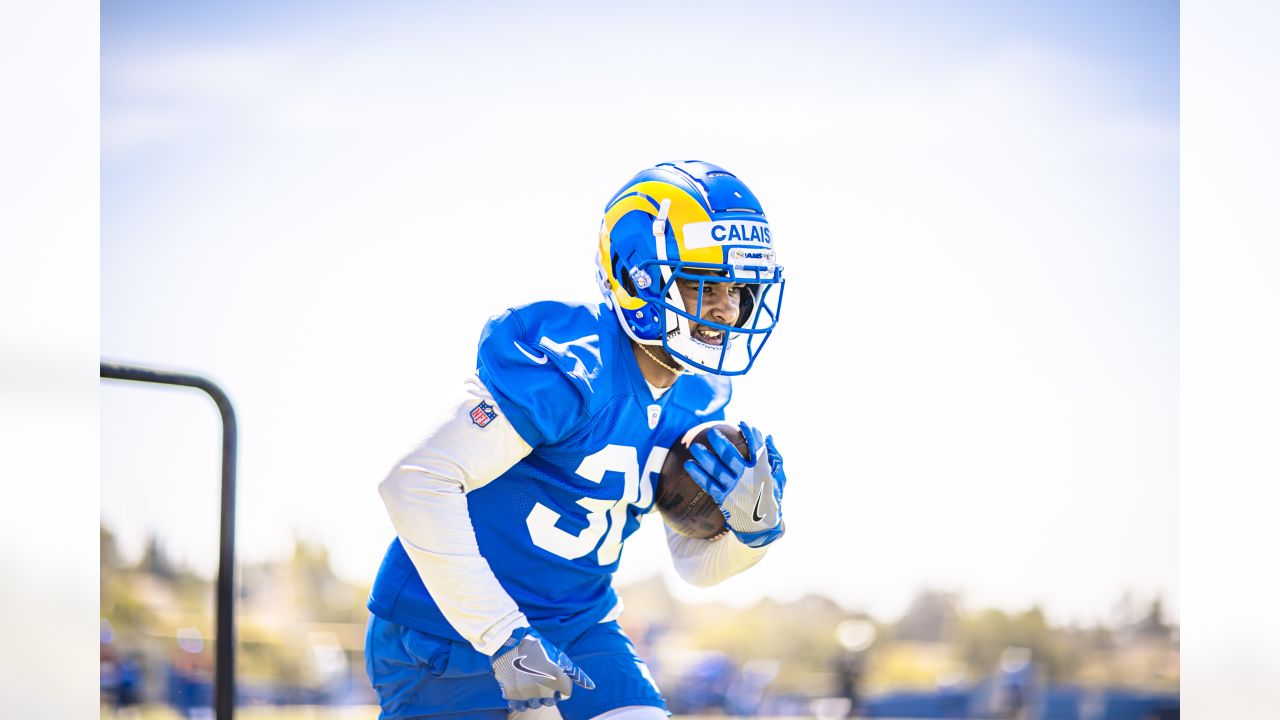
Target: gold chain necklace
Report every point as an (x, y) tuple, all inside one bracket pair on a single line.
[(674, 371)]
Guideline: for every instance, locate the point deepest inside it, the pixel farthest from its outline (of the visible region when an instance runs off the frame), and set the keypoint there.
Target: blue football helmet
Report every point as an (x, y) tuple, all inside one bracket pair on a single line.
[(696, 222)]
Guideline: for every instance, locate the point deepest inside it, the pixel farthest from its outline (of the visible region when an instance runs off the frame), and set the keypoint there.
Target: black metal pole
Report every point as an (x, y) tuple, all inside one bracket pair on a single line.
[(224, 678)]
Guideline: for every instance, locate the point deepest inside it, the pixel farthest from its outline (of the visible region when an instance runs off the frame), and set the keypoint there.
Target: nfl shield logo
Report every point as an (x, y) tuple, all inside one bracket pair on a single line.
[(654, 412), (483, 414)]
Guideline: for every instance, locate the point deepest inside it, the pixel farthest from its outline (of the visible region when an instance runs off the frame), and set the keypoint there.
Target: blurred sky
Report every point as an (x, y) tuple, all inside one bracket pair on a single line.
[(975, 379)]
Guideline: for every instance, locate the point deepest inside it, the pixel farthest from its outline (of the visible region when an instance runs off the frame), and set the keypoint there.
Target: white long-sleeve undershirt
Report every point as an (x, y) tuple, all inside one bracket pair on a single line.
[(425, 495), (706, 562)]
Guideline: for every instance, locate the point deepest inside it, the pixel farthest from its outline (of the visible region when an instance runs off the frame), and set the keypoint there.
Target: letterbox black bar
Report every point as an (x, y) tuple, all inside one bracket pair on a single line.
[(224, 628)]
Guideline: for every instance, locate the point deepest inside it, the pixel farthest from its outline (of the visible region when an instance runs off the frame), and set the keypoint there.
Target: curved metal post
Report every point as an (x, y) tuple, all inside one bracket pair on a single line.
[(224, 600)]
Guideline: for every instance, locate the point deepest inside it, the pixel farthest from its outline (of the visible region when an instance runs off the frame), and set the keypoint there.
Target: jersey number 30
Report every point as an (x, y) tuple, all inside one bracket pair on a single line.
[(605, 518)]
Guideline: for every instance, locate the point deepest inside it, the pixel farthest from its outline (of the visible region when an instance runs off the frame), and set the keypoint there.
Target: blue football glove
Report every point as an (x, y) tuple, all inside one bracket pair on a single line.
[(533, 673), (749, 493)]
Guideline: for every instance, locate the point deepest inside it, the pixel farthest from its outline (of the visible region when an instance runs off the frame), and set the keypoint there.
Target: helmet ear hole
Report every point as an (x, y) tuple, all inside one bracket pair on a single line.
[(624, 277)]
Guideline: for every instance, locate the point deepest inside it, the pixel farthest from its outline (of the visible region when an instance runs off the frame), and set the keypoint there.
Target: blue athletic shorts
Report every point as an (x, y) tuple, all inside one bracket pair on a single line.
[(418, 675)]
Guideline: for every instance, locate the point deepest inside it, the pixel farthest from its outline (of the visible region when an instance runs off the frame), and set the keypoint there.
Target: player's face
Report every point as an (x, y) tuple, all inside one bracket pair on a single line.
[(721, 303)]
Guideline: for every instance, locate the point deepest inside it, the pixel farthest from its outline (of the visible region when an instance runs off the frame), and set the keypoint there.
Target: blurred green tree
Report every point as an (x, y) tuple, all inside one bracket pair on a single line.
[(981, 637)]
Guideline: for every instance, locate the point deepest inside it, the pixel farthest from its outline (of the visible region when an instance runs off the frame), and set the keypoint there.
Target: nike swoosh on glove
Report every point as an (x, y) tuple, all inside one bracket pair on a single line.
[(749, 493), (533, 673)]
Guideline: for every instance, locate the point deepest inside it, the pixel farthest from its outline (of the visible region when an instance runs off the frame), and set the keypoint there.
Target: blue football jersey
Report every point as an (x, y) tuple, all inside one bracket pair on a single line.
[(552, 526)]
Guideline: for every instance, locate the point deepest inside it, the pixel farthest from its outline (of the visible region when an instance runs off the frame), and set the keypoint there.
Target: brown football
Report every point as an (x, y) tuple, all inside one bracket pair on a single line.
[(685, 506)]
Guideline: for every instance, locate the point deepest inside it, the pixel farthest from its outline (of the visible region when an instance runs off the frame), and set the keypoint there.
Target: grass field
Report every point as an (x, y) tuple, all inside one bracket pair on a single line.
[(263, 712), (301, 712)]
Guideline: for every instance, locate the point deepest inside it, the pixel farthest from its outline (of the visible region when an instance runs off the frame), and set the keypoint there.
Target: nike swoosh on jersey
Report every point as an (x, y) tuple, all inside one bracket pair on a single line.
[(755, 513), (522, 668), (540, 359)]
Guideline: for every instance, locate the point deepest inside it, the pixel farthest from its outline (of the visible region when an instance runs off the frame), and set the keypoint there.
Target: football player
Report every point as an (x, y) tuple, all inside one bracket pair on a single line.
[(495, 599)]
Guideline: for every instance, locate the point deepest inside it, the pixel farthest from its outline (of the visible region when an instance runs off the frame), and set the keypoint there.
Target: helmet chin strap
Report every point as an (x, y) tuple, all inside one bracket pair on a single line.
[(674, 371)]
